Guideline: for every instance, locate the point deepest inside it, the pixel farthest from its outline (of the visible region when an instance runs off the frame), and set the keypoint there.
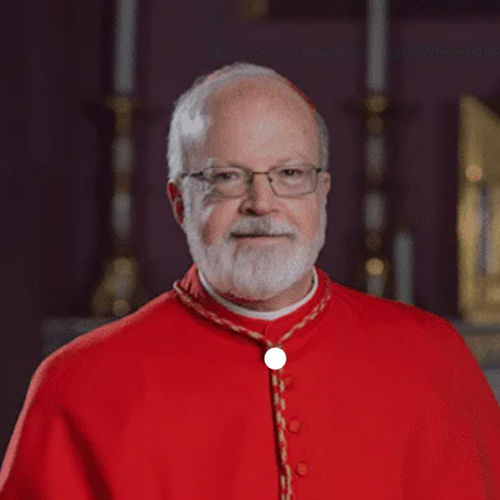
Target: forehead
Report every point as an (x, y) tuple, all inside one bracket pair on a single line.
[(263, 116), (270, 91)]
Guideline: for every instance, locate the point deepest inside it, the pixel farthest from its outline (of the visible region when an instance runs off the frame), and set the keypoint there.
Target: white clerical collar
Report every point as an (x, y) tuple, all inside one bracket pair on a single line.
[(249, 313)]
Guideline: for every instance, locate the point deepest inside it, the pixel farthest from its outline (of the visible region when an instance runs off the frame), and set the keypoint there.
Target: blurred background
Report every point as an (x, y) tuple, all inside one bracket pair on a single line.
[(410, 91)]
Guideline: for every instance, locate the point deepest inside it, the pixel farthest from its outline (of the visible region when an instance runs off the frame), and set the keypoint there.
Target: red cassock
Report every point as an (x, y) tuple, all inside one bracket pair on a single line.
[(377, 401)]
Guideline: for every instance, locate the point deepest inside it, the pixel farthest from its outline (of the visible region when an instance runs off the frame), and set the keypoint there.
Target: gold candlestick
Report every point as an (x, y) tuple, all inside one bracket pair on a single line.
[(120, 290)]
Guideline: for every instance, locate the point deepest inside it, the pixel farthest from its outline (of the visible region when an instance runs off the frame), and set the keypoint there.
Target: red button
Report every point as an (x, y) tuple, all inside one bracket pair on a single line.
[(294, 426), (302, 469)]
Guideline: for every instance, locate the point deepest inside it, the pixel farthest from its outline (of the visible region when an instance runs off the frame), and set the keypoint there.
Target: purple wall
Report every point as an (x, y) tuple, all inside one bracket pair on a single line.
[(53, 60), (438, 63), (18, 233)]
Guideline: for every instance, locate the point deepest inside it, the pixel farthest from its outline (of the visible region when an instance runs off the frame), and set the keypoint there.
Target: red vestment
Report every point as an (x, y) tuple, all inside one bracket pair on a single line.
[(383, 401)]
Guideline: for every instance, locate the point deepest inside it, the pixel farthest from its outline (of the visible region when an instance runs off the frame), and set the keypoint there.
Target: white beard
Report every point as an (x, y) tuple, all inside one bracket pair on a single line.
[(254, 271)]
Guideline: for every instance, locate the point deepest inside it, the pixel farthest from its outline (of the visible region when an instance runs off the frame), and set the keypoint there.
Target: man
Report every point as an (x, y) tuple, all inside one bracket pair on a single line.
[(257, 377)]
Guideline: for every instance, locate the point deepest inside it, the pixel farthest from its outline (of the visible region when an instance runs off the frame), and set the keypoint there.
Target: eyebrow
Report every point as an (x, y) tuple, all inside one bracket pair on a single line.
[(282, 161)]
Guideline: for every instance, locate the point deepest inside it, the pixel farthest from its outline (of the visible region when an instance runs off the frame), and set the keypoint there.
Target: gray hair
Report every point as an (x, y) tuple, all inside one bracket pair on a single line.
[(188, 123)]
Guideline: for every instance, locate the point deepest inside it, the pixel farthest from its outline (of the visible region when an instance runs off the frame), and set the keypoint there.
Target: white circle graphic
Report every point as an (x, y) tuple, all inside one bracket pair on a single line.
[(275, 358)]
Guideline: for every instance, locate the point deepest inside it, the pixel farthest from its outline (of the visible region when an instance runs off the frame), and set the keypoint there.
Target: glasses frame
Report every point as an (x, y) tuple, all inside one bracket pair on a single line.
[(251, 174)]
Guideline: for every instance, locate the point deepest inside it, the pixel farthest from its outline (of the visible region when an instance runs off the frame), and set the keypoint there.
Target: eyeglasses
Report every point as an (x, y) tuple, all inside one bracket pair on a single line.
[(233, 181)]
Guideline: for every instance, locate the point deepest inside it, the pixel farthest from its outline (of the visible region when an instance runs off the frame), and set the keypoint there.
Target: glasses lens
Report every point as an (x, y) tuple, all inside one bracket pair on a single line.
[(293, 179), (225, 181)]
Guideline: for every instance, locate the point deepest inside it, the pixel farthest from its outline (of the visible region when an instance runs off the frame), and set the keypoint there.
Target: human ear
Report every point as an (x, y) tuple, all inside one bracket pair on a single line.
[(175, 197), (326, 181)]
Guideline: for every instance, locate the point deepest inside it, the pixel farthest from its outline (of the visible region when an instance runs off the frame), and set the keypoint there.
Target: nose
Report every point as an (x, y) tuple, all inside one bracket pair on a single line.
[(260, 197)]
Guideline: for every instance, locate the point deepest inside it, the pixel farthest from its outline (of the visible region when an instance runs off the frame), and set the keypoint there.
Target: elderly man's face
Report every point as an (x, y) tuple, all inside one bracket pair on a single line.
[(257, 125)]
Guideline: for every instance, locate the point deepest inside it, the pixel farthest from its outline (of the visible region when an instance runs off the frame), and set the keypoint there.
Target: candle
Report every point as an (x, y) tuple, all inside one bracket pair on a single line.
[(376, 45), (125, 46), (375, 211), (403, 261), (375, 285)]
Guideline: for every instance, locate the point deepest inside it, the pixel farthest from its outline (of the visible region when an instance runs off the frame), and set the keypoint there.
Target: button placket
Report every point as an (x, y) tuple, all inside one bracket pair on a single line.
[(289, 382), (277, 382), (295, 426), (302, 469)]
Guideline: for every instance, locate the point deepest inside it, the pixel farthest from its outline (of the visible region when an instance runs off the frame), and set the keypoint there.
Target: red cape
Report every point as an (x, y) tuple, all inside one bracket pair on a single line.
[(383, 402)]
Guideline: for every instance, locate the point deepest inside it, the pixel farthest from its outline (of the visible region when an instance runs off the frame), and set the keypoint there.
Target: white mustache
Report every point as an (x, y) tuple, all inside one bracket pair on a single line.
[(260, 234), (261, 227)]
